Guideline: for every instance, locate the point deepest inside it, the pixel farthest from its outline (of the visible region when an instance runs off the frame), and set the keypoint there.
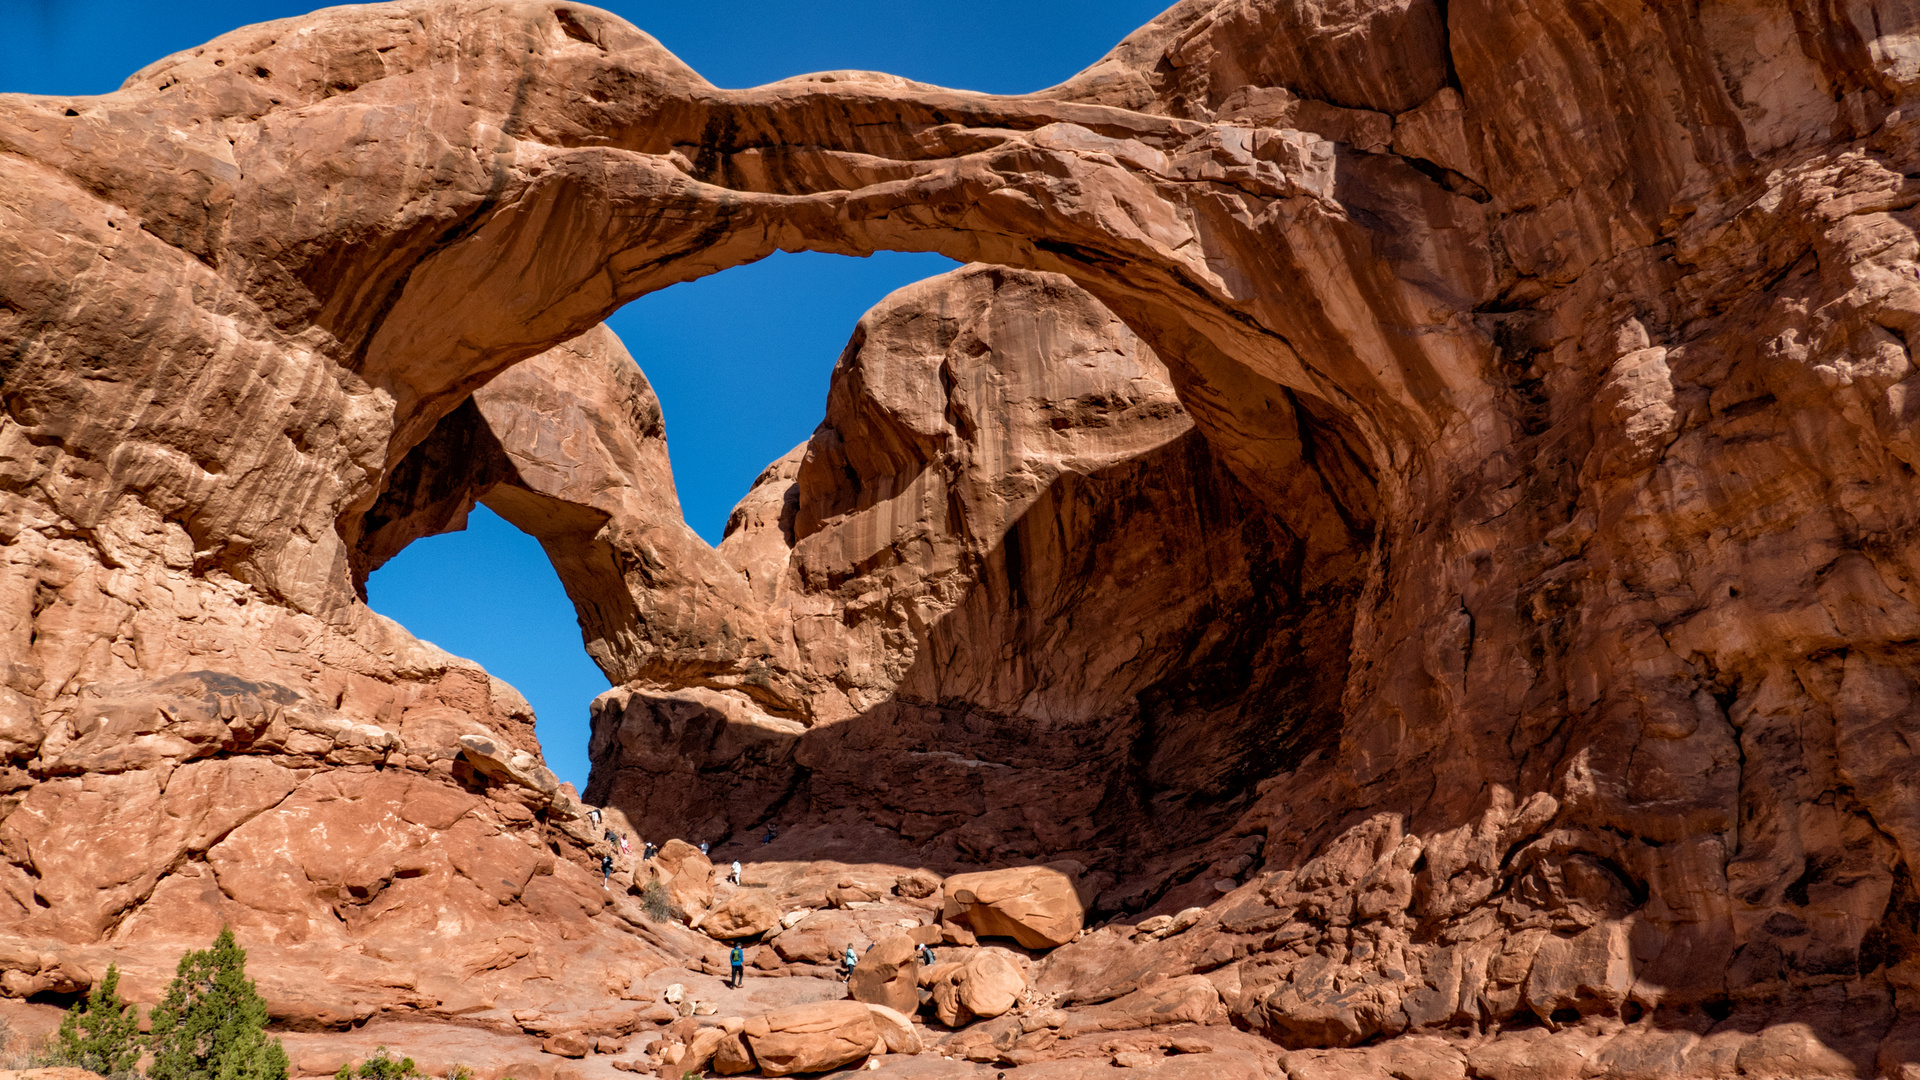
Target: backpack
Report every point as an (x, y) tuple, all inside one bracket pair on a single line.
[(738, 957)]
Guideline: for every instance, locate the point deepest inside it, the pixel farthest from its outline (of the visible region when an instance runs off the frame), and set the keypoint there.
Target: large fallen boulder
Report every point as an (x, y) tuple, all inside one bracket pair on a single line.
[(889, 975), (687, 873), (1038, 906), (812, 1038), (744, 914), (984, 984)]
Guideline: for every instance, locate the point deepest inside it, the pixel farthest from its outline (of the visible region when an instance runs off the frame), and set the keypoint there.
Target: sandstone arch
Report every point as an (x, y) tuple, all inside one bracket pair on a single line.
[(1621, 352)]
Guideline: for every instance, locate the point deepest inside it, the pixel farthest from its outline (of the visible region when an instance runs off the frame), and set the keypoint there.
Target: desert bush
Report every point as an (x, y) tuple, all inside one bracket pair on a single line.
[(101, 1033), (655, 901), (382, 1066), (211, 1023)]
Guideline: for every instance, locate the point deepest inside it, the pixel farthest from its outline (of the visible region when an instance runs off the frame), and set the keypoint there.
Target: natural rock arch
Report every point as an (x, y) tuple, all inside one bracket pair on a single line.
[(1590, 334)]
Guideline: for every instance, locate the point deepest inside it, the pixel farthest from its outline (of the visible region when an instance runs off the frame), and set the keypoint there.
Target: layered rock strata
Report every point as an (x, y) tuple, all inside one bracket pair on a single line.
[(1589, 320)]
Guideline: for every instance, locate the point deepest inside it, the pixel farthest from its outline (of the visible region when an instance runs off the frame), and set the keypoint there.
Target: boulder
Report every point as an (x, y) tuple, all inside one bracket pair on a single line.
[(688, 875), (744, 914), (889, 974), (985, 984), (896, 1030), (917, 885), (508, 765), (702, 1048), (1038, 906), (570, 1044), (812, 1038), (733, 1057), (677, 856)]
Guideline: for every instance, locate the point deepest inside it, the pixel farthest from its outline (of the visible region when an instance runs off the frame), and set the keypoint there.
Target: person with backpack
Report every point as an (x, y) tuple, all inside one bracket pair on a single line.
[(735, 876), (926, 956), (738, 957), (848, 962)]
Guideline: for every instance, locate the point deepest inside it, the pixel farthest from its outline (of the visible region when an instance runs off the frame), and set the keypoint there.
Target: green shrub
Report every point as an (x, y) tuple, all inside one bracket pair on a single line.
[(211, 1024), (101, 1033), (382, 1066)]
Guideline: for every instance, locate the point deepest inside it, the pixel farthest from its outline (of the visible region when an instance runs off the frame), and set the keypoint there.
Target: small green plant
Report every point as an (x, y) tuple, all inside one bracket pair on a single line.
[(383, 1066), (211, 1023), (460, 1072), (102, 1032), (655, 901)]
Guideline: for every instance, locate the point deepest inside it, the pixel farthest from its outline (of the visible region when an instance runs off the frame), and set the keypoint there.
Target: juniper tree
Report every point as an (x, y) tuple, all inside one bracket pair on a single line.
[(101, 1033), (211, 1023)]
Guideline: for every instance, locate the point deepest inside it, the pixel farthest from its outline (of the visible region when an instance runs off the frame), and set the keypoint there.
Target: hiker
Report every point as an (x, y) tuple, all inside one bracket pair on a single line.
[(771, 833), (593, 815), (703, 847), (611, 837), (848, 962), (606, 871), (738, 957), (625, 848), (649, 850), (735, 876), (926, 955)]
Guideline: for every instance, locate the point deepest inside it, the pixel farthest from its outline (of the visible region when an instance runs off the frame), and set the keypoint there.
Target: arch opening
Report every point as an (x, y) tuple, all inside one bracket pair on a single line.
[(1008, 546), (484, 589)]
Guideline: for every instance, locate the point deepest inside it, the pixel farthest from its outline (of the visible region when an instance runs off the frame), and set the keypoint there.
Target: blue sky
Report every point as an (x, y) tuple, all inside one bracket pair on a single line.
[(740, 360)]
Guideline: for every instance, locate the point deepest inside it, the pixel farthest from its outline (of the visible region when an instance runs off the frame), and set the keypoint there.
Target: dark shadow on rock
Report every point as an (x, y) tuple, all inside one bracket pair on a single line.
[(1143, 646)]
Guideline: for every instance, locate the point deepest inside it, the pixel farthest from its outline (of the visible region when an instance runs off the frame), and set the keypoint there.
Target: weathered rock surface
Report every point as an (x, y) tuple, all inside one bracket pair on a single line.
[(1038, 906), (1008, 568), (983, 984), (1478, 576), (888, 975), (744, 914), (811, 1038)]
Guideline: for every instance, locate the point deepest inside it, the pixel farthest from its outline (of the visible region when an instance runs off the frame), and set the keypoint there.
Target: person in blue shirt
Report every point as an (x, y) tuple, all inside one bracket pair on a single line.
[(738, 958), (850, 961)]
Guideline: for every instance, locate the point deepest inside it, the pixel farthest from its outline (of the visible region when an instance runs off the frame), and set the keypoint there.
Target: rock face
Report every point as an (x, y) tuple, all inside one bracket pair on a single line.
[(1474, 586), (1007, 567)]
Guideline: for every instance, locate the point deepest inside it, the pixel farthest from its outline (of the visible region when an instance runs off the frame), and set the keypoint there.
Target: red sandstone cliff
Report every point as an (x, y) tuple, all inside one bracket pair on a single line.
[(1565, 343)]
